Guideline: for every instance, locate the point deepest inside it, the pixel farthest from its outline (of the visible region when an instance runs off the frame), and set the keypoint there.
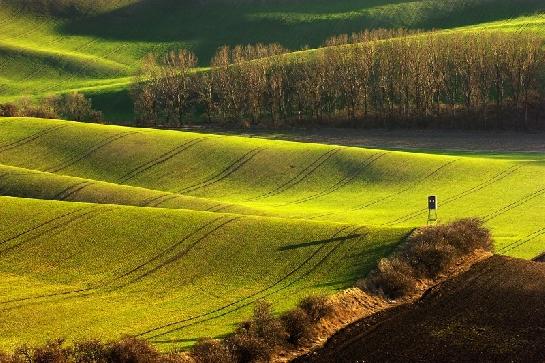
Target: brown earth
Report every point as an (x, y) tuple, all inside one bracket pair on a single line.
[(403, 139), (494, 312)]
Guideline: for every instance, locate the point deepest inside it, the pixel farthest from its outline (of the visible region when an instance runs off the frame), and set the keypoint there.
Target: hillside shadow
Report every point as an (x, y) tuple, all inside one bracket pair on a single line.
[(205, 27), (321, 242)]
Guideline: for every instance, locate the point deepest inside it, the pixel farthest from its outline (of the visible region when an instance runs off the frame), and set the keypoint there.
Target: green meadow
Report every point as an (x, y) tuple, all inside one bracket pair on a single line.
[(169, 235)]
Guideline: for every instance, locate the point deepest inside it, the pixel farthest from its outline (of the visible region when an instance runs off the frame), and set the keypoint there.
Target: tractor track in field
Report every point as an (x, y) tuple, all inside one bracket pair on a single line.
[(485, 184), (268, 293), (225, 173), (72, 189), (343, 182), (171, 249), (157, 200), (183, 253), (106, 283), (393, 194), (84, 214), (192, 320), (522, 241), (160, 159), (28, 139), (411, 185), (300, 177), (517, 203), (77, 158), (38, 226)]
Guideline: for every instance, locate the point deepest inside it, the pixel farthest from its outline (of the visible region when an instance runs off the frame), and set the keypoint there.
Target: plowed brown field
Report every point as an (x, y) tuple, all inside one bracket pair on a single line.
[(495, 312)]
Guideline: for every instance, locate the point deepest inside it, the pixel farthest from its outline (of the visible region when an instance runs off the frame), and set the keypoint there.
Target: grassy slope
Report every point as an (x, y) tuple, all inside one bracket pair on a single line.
[(98, 53), (290, 200), (103, 271), (284, 179)]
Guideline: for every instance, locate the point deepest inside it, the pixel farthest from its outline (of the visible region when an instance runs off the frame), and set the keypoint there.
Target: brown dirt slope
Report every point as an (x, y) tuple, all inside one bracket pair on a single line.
[(495, 312)]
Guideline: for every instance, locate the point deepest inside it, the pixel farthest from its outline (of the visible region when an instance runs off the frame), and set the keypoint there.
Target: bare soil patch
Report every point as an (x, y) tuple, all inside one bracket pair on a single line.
[(494, 312), (402, 139)]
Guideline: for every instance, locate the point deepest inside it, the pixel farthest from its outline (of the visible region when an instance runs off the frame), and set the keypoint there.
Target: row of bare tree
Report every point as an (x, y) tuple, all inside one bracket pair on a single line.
[(492, 80)]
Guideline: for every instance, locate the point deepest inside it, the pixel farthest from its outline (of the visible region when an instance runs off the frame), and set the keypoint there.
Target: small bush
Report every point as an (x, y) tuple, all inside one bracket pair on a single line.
[(428, 253), (90, 351), (394, 278), (131, 350), (428, 260), (298, 326), (211, 351), (52, 352), (317, 307), (76, 107), (257, 339), (9, 110)]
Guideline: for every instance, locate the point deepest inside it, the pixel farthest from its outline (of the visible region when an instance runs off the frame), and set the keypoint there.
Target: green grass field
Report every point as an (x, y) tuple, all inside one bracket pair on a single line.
[(41, 54), (173, 235)]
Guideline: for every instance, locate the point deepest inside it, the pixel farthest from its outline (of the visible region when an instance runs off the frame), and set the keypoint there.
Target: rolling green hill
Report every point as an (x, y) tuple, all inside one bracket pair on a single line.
[(83, 270), (98, 51), (170, 235)]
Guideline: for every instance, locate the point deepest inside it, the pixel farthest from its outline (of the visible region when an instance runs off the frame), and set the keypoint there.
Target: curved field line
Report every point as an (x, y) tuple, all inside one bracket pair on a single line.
[(485, 184), (159, 160), (105, 283), (73, 160), (158, 199), (172, 247), (343, 182), (30, 138), (70, 190), (297, 179), (54, 228), (517, 203), (76, 190), (38, 226), (268, 293), (181, 254), (532, 236), (407, 188), (225, 173), (236, 302)]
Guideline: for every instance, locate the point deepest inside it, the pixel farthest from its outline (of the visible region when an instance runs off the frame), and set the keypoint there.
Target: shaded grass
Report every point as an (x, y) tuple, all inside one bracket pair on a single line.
[(97, 53)]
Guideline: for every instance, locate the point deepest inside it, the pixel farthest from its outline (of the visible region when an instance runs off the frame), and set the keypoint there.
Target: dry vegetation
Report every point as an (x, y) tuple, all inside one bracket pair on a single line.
[(476, 81), (71, 106), (428, 255)]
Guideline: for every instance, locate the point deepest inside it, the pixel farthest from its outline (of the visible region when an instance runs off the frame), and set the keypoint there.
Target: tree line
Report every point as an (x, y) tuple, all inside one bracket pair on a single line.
[(455, 80)]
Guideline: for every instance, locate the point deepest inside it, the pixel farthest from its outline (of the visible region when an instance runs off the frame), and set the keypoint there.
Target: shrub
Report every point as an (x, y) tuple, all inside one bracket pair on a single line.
[(52, 352), (256, 339), (394, 278), (208, 350), (76, 107), (429, 260), (9, 110), (317, 307), (298, 326), (131, 350), (428, 252), (90, 351)]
